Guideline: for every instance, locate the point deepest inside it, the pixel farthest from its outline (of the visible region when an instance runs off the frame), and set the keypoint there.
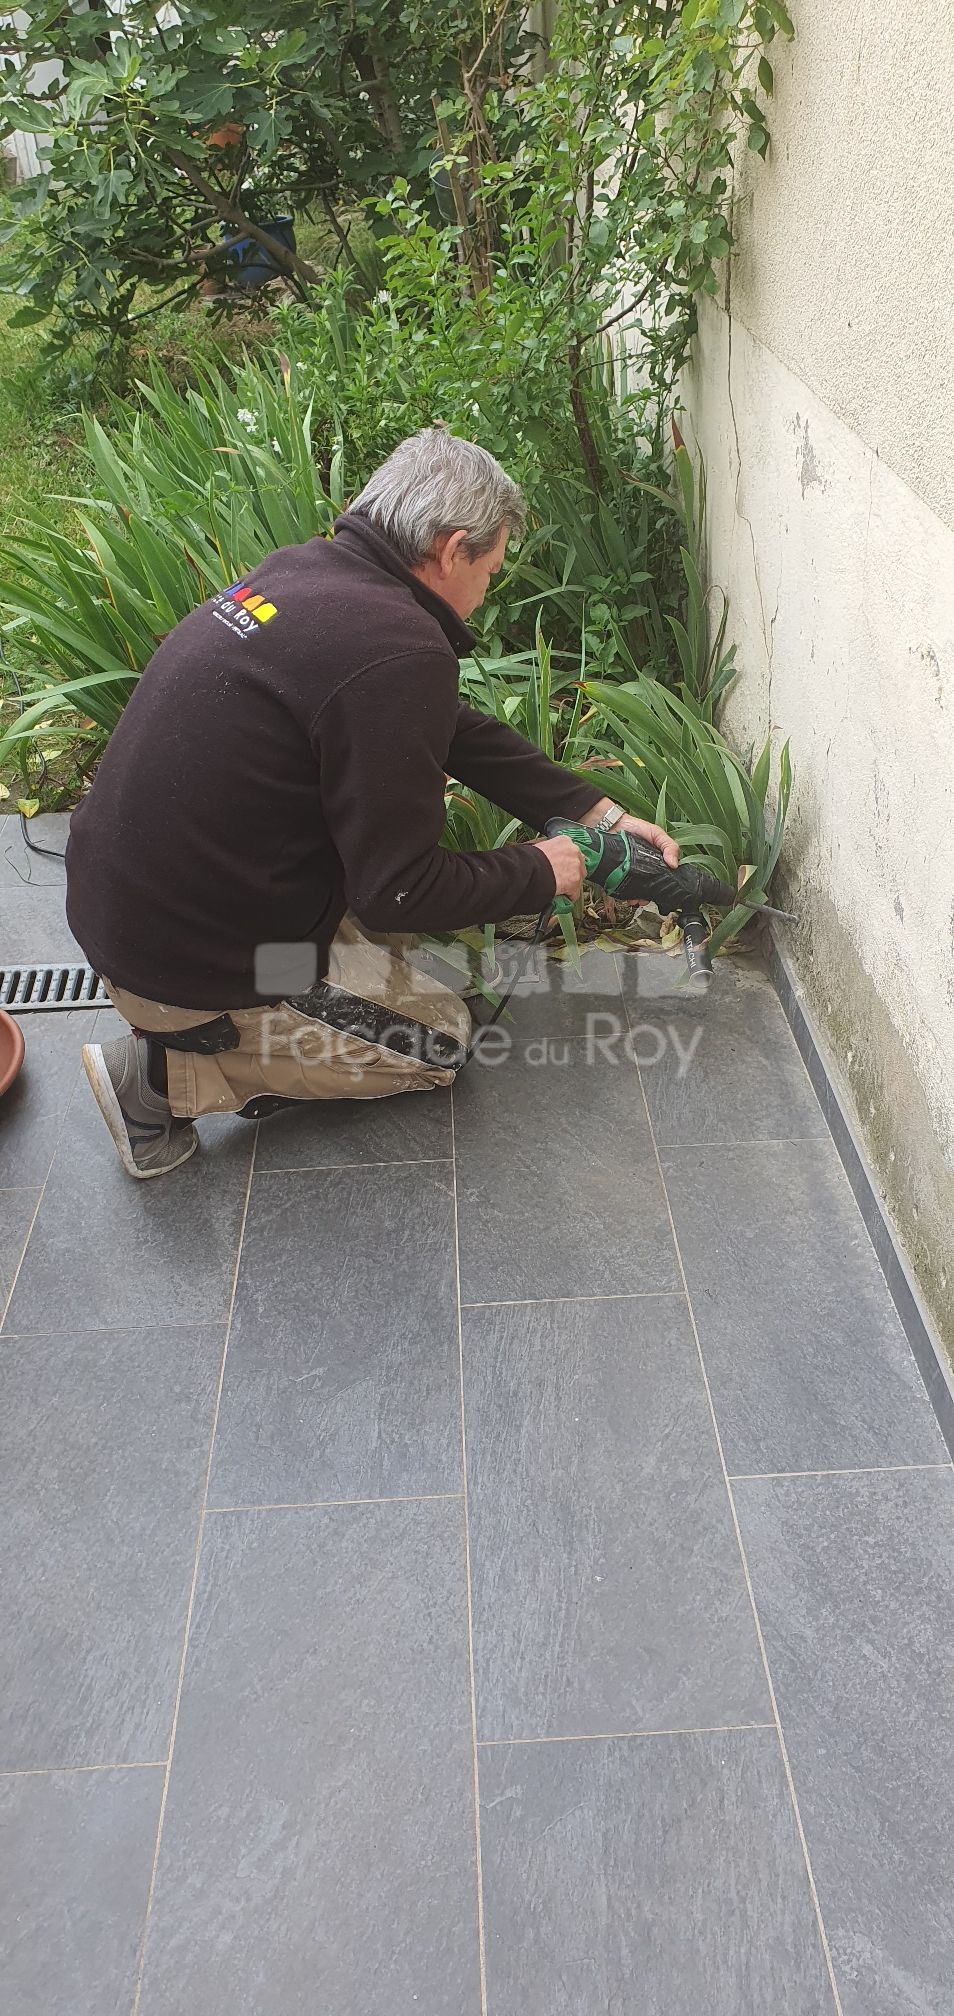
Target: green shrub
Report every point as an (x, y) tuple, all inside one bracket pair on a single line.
[(601, 551), (663, 760)]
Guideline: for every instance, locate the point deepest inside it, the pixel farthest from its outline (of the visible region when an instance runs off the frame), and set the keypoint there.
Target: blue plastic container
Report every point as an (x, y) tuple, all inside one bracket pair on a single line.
[(249, 264)]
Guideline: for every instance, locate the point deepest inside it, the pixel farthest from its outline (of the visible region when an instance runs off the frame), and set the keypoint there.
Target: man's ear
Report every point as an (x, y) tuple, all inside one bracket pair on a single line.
[(448, 551)]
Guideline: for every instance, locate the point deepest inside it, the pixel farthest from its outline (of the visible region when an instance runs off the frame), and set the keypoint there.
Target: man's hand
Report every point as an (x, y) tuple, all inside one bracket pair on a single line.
[(567, 863), (656, 836), (642, 827)]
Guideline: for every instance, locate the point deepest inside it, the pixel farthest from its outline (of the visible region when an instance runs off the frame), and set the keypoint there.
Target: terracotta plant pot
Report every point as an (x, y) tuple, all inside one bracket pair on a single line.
[(11, 1050)]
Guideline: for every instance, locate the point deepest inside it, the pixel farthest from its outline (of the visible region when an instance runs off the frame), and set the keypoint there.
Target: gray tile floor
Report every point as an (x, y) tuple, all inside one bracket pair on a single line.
[(474, 1557)]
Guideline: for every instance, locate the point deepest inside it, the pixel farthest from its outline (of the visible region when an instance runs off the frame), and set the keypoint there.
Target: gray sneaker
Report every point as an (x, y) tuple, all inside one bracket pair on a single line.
[(150, 1141)]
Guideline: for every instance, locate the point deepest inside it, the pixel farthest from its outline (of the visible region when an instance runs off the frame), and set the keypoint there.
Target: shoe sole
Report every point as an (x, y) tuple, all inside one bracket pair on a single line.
[(109, 1106)]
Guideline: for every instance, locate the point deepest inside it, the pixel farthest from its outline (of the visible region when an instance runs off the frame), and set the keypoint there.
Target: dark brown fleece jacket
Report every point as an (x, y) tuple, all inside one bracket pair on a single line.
[(283, 759)]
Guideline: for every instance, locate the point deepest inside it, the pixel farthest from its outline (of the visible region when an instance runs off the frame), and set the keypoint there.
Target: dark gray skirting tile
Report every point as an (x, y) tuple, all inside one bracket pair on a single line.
[(660, 1876), (809, 1366), (551, 999), (33, 1111), (721, 1066), (76, 1852), (104, 1441), (319, 1849), (342, 1376), (330, 1133), (16, 1216), (558, 1190), (902, 1286), (34, 926), (608, 1592), (854, 1580), (20, 866), (108, 1250)]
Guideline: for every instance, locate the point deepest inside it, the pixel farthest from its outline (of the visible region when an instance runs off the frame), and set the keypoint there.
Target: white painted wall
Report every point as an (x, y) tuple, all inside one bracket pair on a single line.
[(824, 407), (24, 147)]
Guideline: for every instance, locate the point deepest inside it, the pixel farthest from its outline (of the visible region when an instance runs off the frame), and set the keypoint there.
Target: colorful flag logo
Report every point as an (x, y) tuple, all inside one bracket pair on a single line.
[(255, 604)]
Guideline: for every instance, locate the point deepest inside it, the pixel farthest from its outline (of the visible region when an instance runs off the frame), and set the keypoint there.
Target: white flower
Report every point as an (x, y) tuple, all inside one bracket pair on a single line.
[(247, 419), (382, 298), (275, 448)]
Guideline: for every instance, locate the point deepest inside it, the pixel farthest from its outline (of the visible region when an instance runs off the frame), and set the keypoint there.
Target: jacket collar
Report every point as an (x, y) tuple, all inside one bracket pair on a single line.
[(357, 532)]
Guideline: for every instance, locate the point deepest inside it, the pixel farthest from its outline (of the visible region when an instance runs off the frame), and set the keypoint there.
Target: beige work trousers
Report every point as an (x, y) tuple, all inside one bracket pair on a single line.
[(296, 1056)]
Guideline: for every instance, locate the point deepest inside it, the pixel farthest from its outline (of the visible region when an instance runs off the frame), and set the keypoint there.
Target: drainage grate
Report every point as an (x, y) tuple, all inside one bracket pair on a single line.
[(48, 987)]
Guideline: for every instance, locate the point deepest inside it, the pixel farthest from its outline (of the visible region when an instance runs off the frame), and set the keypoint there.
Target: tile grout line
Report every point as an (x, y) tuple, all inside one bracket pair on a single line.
[(541, 1301), (52, 1770), (783, 1747), (116, 1329), (481, 1942), (29, 1186), (141, 1957), (620, 1735), (320, 1504), (754, 1141), (325, 1168), (7, 1335), (857, 1470), (823, 1935)]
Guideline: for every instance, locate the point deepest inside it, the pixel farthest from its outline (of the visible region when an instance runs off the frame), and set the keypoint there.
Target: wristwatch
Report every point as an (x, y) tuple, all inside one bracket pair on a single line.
[(609, 819)]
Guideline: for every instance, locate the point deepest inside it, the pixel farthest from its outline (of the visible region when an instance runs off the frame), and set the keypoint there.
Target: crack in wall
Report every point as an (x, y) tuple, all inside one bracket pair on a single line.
[(768, 632)]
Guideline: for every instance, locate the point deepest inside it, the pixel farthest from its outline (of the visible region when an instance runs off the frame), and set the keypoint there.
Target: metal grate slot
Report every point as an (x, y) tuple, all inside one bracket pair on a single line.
[(45, 988)]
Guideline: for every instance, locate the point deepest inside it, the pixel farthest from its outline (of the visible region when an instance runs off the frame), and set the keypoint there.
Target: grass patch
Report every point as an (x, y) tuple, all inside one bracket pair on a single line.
[(38, 422)]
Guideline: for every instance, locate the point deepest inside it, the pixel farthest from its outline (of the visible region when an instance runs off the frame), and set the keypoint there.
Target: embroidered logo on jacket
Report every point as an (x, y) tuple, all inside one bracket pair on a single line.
[(240, 608)]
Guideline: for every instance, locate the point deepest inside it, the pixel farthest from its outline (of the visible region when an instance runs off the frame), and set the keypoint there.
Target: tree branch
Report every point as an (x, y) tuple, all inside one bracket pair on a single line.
[(332, 216), (499, 20), (231, 213), (611, 320), (581, 420)]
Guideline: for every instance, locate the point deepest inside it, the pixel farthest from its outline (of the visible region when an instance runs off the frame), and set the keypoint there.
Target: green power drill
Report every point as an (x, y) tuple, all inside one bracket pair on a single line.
[(633, 871)]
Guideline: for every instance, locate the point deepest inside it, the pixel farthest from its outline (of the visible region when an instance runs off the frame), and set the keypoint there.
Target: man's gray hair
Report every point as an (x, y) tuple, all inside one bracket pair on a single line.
[(434, 484)]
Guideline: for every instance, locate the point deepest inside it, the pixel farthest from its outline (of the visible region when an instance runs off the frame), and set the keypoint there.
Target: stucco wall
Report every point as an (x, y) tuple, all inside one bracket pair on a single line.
[(844, 266), (824, 406)]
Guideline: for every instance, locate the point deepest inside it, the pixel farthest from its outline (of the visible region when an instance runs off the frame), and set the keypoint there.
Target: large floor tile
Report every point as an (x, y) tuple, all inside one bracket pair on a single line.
[(104, 1442), (16, 1216), (33, 1111), (656, 1877), (76, 1852), (20, 865), (608, 1592), (318, 1851), (333, 1133), (809, 1366), (107, 1250), (558, 1191), (720, 1066), (342, 1376), (34, 926), (551, 999), (854, 1579)]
